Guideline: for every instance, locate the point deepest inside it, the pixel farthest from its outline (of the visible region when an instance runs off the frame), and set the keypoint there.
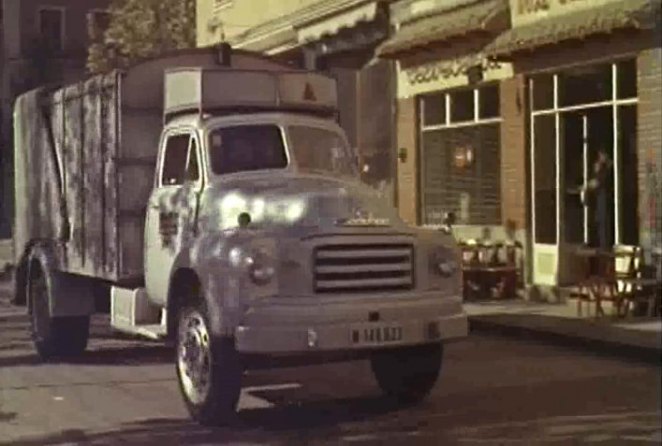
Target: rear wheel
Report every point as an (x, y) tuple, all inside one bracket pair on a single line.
[(408, 374), (53, 336), (208, 369)]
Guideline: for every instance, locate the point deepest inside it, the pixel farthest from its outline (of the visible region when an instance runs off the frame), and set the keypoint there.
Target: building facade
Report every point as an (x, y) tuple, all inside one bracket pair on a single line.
[(41, 42), (335, 36), (503, 107)]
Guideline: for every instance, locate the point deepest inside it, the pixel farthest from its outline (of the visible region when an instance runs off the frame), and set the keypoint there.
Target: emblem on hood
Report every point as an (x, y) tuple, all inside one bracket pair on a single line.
[(362, 218)]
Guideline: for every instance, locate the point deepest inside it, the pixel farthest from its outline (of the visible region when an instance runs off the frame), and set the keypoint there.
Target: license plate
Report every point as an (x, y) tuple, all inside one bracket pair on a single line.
[(376, 335)]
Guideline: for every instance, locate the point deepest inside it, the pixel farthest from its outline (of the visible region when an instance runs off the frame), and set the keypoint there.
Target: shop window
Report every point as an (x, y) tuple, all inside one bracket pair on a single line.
[(434, 109), (626, 79), (545, 179), (629, 197), (572, 147), (488, 99), (462, 105), (461, 173), (543, 91), (585, 85)]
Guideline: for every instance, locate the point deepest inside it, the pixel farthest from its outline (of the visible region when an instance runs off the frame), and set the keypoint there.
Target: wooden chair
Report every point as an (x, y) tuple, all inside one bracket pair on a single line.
[(600, 285), (639, 285)]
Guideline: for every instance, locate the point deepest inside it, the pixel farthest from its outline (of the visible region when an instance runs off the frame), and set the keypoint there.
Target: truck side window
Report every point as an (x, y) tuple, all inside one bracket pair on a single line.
[(174, 163), (193, 168)]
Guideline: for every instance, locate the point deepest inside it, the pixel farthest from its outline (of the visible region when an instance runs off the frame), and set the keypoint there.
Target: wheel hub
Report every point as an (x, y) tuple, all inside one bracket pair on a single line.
[(194, 358)]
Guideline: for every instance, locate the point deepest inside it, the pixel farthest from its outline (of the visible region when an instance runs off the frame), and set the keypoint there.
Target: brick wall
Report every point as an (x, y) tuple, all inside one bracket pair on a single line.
[(408, 171), (649, 143), (513, 152)]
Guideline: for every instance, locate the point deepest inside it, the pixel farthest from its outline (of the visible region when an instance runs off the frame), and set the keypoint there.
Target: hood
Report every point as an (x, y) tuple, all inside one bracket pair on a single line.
[(289, 199)]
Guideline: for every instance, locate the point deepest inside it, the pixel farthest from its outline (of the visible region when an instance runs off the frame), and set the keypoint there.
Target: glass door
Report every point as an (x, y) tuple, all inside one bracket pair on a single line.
[(545, 179), (576, 113)]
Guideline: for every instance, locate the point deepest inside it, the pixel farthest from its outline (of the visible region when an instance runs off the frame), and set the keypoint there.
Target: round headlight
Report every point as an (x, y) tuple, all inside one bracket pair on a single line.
[(443, 262), (261, 275), (260, 269), (447, 268)]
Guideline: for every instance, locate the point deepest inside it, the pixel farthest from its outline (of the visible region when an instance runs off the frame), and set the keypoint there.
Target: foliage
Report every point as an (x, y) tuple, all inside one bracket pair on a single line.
[(140, 29)]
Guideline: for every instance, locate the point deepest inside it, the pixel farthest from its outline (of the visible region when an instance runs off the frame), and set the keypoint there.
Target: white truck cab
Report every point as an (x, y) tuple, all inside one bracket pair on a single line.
[(261, 242)]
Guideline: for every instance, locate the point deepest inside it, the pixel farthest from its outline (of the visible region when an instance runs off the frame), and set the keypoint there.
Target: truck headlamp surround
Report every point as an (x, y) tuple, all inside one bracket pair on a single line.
[(258, 264), (260, 268), (443, 262)]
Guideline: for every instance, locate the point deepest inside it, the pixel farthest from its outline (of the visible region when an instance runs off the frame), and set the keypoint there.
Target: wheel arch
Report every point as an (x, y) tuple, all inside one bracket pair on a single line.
[(42, 252), (185, 287), (74, 293)]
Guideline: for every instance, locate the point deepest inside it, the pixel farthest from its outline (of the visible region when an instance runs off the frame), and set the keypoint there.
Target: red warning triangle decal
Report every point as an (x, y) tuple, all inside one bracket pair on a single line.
[(309, 93)]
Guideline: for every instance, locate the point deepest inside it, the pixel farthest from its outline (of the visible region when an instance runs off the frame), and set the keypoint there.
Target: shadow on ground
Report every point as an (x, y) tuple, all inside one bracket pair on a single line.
[(286, 425), (120, 356)]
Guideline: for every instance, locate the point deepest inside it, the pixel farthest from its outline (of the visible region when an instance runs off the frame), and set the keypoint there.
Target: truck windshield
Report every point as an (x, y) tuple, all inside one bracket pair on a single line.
[(319, 150), (246, 148)]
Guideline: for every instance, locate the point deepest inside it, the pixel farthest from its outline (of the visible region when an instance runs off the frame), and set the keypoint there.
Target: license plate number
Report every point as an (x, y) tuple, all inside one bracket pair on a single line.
[(376, 335)]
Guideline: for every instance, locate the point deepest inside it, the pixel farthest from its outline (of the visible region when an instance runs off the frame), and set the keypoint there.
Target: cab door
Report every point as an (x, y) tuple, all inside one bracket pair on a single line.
[(172, 210)]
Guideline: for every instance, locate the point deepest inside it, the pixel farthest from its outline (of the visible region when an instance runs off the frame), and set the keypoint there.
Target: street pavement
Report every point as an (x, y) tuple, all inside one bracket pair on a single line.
[(493, 390)]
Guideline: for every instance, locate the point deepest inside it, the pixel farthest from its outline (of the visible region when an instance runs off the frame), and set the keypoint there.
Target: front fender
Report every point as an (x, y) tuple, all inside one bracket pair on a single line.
[(219, 282)]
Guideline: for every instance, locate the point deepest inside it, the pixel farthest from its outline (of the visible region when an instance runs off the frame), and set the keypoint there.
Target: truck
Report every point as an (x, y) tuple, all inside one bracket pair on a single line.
[(209, 199)]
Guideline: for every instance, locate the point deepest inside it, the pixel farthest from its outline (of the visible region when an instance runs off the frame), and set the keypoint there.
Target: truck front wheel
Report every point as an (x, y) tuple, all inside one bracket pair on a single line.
[(208, 369), (53, 336), (407, 374)]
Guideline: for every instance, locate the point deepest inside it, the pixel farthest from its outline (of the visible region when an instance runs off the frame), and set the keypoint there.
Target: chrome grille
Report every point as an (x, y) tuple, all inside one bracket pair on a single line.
[(363, 268)]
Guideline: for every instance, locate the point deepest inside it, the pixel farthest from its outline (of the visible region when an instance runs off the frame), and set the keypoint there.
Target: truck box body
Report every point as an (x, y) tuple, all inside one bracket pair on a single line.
[(86, 154)]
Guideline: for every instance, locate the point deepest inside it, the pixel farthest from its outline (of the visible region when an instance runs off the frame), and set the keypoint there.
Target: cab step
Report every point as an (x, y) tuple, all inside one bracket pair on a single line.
[(131, 312)]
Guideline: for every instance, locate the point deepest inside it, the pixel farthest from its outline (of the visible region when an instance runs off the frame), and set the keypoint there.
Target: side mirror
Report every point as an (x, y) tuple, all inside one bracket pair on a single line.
[(244, 220)]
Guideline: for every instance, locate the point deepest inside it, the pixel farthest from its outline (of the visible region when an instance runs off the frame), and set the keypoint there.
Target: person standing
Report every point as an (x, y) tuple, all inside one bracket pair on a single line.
[(598, 193)]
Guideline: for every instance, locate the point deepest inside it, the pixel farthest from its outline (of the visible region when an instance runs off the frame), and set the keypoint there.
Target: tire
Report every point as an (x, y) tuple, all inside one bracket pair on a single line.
[(53, 337), (407, 374), (208, 369)]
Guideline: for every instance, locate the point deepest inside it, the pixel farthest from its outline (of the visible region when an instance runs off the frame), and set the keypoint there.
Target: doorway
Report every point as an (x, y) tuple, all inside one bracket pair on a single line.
[(585, 134), (575, 114)]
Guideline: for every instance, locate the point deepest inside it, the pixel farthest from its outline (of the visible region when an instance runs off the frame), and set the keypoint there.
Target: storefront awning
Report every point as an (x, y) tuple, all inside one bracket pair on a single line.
[(330, 27), (273, 41), (485, 16), (625, 14)]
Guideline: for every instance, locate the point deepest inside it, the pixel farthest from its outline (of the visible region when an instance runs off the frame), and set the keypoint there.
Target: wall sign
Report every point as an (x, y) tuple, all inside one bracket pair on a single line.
[(463, 156), (524, 12), (445, 69), (448, 73)]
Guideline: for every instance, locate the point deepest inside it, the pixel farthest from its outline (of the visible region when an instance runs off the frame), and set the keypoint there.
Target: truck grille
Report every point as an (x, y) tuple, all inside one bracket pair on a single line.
[(363, 268)]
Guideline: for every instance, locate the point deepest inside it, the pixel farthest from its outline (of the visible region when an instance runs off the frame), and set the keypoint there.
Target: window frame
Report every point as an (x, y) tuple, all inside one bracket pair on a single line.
[(446, 94), (63, 24), (348, 148), (193, 136), (556, 110), (281, 130), (476, 121)]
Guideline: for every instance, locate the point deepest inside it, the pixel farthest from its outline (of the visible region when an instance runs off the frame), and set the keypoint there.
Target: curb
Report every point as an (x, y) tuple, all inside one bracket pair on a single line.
[(648, 351)]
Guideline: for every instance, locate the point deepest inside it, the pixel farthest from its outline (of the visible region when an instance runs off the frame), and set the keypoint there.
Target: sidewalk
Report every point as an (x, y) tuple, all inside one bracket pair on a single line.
[(634, 336)]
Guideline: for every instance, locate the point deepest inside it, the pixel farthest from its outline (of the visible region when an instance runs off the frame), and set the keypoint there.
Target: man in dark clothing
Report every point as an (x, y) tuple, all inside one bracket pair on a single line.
[(600, 193)]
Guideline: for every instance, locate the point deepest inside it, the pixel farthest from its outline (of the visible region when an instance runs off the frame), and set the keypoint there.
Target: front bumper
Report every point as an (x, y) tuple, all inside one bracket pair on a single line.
[(296, 327)]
